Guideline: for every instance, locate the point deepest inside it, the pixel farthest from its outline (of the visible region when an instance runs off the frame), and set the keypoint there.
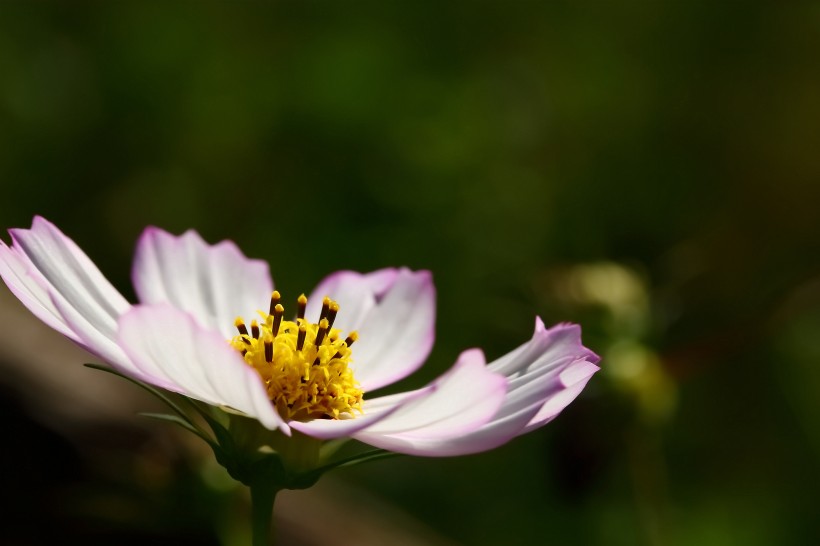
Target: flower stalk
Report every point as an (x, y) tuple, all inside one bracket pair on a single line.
[(263, 497)]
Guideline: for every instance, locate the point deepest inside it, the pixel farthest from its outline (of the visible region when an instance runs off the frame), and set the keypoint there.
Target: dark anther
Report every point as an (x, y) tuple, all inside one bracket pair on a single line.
[(268, 350), (331, 313), (241, 327), (320, 335), (278, 311), (325, 307), (349, 340)]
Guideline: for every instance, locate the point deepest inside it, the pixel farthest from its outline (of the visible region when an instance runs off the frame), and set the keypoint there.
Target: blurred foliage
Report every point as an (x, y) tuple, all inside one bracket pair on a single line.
[(647, 169)]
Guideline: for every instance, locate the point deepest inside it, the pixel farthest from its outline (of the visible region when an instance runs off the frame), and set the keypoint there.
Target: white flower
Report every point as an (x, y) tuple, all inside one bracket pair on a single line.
[(182, 337)]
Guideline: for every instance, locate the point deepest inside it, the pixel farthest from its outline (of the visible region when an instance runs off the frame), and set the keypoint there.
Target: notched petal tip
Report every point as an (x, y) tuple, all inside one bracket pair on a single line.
[(151, 232), (567, 335), (39, 222)]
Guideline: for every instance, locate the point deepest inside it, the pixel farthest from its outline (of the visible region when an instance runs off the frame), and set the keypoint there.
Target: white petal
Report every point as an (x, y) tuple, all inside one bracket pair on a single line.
[(573, 380), (168, 343), (214, 283), (518, 406), (546, 347), (533, 399), (29, 286), (356, 294), (490, 436), (544, 375), (66, 270), (522, 403), (394, 313), (93, 339), (63, 287), (461, 401), (530, 391)]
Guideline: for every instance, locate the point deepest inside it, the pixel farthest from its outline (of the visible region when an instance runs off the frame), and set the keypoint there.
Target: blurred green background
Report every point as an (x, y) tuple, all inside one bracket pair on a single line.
[(648, 169)]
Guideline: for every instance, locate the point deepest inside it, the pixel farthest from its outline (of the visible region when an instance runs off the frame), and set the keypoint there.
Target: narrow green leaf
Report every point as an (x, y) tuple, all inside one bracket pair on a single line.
[(372, 455), (159, 395), (179, 421), (218, 428)]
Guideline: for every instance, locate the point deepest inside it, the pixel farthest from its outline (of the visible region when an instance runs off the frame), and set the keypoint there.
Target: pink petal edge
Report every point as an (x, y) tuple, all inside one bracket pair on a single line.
[(398, 334), (461, 401)]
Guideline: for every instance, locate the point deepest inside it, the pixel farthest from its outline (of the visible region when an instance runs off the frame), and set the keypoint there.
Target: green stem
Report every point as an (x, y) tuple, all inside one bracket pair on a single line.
[(263, 495)]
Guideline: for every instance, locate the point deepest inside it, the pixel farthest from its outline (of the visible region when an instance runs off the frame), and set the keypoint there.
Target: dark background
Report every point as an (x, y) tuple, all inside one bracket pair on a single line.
[(648, 169)]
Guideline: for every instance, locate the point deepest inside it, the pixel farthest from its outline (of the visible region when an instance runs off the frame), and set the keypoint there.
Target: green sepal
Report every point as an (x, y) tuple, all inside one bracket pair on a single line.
[(295, 462), (251, 452)]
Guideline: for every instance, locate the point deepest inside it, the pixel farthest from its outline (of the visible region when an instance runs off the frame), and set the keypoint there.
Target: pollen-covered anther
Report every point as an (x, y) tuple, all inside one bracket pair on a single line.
[(302, 306), (278, 313), (325, 307), (331, 313), (305, 366), (324, 326), (349, 340)]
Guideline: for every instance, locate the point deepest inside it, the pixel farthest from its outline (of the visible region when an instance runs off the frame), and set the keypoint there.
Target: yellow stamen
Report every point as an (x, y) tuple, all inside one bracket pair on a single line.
[(304, 366)]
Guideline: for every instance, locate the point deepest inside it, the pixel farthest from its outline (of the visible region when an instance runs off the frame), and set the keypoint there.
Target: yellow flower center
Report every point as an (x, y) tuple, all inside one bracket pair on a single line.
[(305, 366)]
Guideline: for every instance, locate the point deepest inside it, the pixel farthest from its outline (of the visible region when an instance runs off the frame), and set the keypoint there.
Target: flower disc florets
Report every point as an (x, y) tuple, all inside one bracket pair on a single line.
[(304, 365)]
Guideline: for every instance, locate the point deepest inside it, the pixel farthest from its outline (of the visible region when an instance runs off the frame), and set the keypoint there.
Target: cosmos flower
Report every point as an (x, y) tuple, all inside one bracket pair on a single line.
[(210, 326)]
